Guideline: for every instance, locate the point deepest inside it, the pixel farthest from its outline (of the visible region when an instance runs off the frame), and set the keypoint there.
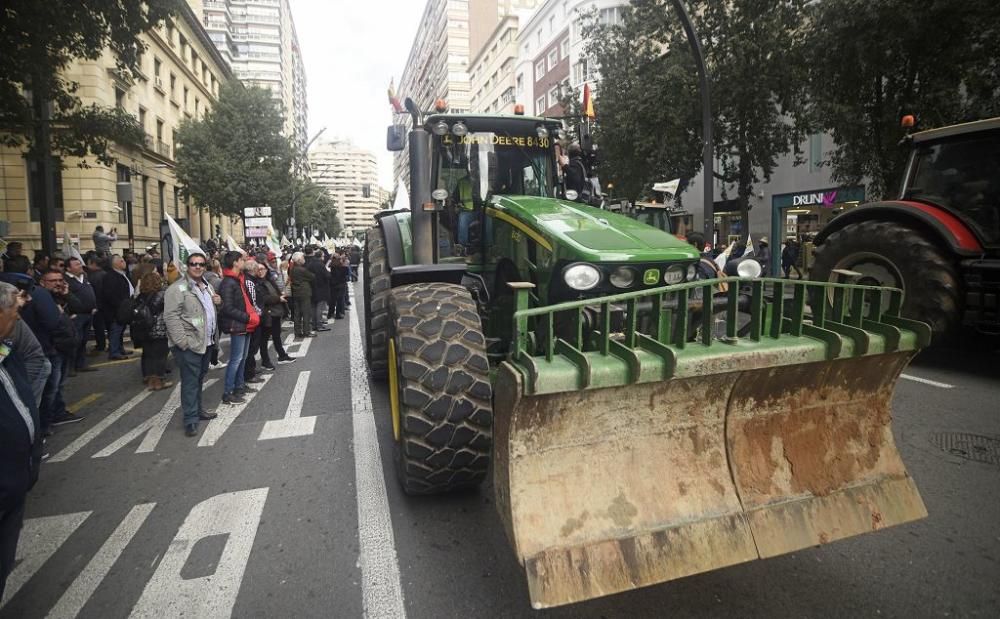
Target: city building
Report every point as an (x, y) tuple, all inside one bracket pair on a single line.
[(491, 72), (178, 77), (257, 38), (552, 61), (350, 175), (437, 67)]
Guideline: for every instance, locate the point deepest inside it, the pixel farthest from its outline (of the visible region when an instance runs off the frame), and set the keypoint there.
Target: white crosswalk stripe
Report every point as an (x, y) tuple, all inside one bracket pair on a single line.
[(40, 538)]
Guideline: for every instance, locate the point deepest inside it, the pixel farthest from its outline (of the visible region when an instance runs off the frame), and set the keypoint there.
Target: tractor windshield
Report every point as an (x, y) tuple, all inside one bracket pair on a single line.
[(499, 163), (961, 175)]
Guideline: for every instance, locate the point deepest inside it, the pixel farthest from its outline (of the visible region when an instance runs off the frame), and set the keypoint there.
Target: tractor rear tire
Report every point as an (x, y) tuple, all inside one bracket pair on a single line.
[(892, 254), (376, 291), (442, 405)]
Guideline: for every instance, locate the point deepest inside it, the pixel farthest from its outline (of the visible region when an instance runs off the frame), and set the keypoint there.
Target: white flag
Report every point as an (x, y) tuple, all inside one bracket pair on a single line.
[(69, 250), (402, 201), (668, 186), (314, 241), (272, 240), (284, 241), (180, 245), (233, 245), (723, 258), (748, 251)]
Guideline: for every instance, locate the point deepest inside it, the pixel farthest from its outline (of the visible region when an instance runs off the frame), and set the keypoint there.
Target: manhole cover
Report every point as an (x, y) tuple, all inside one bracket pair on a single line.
[(969, 446)]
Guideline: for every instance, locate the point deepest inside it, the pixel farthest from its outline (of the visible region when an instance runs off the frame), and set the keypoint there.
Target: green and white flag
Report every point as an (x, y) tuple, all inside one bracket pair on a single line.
[(68, 249), (180, 245), (284, 241), (233, 245), (272, 241)]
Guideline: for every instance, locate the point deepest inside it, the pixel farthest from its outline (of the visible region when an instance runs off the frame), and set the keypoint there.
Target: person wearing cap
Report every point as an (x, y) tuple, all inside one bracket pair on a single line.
[(190, 313)]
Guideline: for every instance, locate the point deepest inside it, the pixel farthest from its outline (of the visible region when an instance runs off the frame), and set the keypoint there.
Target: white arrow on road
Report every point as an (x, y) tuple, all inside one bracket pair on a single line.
[(292, 424)]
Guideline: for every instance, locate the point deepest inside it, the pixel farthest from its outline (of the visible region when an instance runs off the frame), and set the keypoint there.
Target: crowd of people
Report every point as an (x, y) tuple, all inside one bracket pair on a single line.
[(57, 313)]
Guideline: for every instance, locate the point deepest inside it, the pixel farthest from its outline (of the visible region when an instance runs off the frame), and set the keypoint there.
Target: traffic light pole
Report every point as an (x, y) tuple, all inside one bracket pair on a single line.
[(43, 150)]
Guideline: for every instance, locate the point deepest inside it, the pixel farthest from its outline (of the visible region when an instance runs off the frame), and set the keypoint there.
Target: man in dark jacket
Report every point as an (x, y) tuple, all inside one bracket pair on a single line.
[(237, 318), (116, 289), (20, 436), (320, 289), (86, 306), (302, 279), (96, 275)]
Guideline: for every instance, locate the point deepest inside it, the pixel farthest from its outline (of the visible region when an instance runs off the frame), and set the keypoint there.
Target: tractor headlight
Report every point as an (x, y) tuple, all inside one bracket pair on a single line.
[(440, 128), (581, 276), (674, 274), (542, 132), (622, 277), (459, 129), (692, 272), (749, 268)]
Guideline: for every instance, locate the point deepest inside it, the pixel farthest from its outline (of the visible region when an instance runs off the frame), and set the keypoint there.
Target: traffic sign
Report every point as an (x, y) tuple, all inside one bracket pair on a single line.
[(257, 222), (257, 211)]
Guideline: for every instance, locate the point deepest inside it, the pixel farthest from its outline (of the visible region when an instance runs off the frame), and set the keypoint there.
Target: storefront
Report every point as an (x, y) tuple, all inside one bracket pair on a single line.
[(729, 226), (801, 215)]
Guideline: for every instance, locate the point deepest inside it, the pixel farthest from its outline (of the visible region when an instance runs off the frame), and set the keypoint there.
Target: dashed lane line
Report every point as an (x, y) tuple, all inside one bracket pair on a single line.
[(927, 381), (82, 402), (118, 362), (381, 590)]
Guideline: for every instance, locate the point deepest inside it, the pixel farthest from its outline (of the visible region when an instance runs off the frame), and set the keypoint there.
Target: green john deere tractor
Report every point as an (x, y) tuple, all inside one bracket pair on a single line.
[(571, 352)]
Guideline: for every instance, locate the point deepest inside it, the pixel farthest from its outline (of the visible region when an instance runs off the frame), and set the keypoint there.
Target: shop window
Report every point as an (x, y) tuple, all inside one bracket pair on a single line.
[(125, 208)]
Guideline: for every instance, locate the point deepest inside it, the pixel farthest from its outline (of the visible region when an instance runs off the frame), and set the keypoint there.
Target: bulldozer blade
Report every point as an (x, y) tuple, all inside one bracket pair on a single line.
[(615, 488)]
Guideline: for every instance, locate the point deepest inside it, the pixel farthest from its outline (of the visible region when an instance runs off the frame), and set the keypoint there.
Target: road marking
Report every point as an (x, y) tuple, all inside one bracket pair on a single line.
[(227, 415), (102, 425), (292, 424), (169, 594), (73, 601), (380, 587), (118, 362), (84, 401), (303, 344), (927, 381), (153, 428), (40, 538)]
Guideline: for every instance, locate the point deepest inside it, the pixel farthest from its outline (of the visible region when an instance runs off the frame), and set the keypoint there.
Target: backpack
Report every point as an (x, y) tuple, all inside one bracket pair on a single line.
[(134, 311), (64, 337)]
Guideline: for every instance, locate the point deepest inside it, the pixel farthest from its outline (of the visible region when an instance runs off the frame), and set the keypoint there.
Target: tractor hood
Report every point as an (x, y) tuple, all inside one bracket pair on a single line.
[(592, 234)]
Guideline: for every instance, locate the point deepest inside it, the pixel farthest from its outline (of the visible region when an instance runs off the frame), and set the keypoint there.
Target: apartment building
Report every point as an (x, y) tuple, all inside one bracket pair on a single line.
[(491, 71), (179, 77), (437, 67), (350, 175), (258, 40)]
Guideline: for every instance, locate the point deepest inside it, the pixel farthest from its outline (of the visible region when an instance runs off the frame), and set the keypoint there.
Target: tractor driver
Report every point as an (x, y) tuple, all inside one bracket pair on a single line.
[(461, 196)]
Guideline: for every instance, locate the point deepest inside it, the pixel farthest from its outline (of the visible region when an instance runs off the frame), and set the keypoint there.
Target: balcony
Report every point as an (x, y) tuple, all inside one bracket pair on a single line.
[(163, 148)]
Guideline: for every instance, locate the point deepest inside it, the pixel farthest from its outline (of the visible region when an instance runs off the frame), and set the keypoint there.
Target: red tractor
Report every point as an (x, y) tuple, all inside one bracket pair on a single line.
[(940, 240)]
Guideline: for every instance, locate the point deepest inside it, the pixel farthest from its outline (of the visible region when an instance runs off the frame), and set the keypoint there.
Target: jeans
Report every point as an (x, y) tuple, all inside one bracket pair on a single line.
[(239, 346), (465, 219), (116, 345), (319, 314), (52, 398), (83, 322), (253, 345), (276, 336), (193, 368), (300, 313)]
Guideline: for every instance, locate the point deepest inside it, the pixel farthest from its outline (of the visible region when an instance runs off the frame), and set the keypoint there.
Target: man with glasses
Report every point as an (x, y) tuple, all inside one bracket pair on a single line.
[(189, 310)]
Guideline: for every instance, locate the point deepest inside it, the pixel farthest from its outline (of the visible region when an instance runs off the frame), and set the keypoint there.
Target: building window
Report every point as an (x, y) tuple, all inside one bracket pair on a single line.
[(156, 69), (539, 70), (177, 202), (161, 191), (124, 208), (553, 58), (610, 17), (538, 37), (119, 98), (539, 105), (564, 48), (185, 101), (520, 83), (36, 188), (142, 119), (173, 86), (554, 95), (145, 200), (197, 107), (552, 24)]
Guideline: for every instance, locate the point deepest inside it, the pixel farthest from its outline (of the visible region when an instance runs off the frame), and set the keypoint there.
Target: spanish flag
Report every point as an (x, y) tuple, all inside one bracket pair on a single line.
[(588, 103), (393, 99)]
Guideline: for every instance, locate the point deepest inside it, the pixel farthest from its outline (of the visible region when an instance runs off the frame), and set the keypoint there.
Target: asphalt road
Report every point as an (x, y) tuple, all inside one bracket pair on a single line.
[(288, 507)]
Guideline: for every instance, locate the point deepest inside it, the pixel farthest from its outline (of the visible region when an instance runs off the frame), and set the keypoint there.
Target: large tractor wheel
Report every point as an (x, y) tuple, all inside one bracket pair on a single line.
[(376, 291), (439, 386), (891, 254)]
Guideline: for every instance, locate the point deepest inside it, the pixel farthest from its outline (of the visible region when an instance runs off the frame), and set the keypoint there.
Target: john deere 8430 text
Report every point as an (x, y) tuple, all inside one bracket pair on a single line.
[(572, 352)]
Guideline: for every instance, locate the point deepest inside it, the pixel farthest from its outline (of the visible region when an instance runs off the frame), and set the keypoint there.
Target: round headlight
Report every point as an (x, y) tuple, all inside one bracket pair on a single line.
[(459, 129), (440, 194), (622, 277), (749, 268), (581, 276), (542, 131), (674, 274), (440, 128), (571, 194), (692, 272)]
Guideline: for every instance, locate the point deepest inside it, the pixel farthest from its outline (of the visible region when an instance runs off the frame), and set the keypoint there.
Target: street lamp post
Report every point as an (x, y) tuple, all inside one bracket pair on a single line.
[(305, 153)]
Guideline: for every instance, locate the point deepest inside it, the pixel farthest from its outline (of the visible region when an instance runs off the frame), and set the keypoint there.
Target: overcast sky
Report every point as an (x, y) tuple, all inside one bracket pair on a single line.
[(352, 48)]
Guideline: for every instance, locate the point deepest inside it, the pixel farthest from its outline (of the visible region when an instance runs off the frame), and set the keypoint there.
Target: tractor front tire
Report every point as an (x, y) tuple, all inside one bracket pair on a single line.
[(891, 254), (441, 402), (376, 291)]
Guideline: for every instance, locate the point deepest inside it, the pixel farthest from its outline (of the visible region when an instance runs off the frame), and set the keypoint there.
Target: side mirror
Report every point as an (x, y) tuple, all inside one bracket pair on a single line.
[(395, 138)]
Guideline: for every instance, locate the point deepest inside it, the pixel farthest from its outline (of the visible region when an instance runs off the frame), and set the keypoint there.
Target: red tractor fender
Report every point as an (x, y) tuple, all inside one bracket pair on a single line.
[(941, 225)]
